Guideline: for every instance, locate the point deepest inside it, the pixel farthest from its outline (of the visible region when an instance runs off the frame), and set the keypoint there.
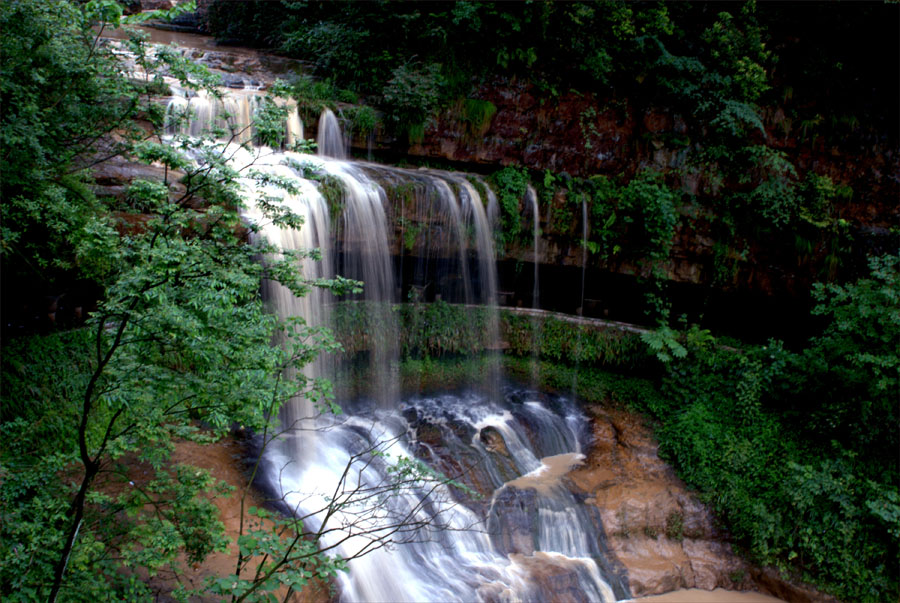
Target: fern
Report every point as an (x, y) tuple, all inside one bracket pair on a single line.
[(664, 344)]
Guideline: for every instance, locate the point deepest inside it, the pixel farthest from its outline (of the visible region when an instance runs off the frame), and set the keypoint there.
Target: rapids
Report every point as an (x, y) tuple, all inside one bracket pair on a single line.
[(369, 482), (508, 529)]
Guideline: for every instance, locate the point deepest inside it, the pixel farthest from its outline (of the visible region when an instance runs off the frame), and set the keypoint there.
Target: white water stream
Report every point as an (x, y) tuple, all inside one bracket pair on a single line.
[(412, 538)]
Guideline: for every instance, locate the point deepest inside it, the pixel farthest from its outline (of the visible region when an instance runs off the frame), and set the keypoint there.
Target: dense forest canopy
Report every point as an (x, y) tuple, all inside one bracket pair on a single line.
[(820, 55), (795, 448)]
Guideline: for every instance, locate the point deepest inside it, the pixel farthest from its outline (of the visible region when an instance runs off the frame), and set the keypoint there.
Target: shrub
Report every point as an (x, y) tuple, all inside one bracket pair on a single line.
[(412, 94), (510, 184)]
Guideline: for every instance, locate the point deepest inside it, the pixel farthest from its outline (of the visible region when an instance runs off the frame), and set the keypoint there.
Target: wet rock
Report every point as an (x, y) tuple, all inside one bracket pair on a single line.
[(557, 583), (511, 521), (660, 532), (428, 433), (240, 82), (493, 441), (771, 583), (444, 444)]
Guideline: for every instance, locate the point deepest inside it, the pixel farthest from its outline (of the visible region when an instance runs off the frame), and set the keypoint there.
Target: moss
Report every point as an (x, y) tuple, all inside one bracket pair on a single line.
[(415, 133), (480, 188), (477, 115), (675, 526), (333, 192)]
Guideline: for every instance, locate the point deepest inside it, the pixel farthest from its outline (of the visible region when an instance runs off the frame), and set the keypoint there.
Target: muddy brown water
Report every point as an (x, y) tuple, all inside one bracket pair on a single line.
[(181, 39), (719, 595)]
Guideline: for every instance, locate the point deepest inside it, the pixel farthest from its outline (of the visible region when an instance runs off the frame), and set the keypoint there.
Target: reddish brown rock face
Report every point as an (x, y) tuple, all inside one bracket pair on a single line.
[(660, 532), (585, 134), (573, 133)]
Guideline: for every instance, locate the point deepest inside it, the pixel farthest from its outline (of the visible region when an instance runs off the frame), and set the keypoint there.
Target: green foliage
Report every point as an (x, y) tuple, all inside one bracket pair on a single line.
[(333, 191), (417, 56), (411, 231), (336, 48), (710, 66), (313, 96), (510, 185), (636, 219), (675, 526), (362, 119), (724, 86), (562, 341), (649, 204), (737, 48), (853, 369), (57, 103), (774, 198), (664, 344), (477, 115), (589, 384), (444, 372), (249, 21), (797, 450), (434, 330), (428, 330), (412, 95), (819, 195), (92, 504), (587, 123), (830, 492)]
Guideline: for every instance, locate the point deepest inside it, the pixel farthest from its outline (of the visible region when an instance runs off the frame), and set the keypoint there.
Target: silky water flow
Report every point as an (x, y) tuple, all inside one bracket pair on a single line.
[(507, 528)]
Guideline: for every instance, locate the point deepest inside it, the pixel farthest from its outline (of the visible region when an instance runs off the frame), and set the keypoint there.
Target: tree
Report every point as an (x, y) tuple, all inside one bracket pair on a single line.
[(179, 346)]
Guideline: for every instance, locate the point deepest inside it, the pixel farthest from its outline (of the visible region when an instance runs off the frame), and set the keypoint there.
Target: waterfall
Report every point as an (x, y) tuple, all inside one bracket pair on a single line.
[(531, 195), (515, 449), (580, 310), (487, 274), (508, 529), (293, 127), (536, 324), (299, 413), (365, 256), (196, 113), (330, 139)]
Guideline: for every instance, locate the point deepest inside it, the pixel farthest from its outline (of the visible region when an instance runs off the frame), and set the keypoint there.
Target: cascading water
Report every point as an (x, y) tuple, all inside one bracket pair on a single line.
[(531, 198), (293, 126), (584, 257), (365, 256), (528, 534), (299, 415), (196, 113), (536, 325), (330, 139)]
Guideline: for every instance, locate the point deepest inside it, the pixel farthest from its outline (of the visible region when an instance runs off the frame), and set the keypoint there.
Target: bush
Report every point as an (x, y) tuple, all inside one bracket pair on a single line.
[(362, 119), (510, 184), (561, 341), (412, 94), (797, 450)]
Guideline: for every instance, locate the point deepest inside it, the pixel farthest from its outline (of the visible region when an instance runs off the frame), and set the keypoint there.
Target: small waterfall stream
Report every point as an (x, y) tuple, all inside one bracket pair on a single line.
[(531, 198), (509, 529), (330, 139), (536, 324)]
